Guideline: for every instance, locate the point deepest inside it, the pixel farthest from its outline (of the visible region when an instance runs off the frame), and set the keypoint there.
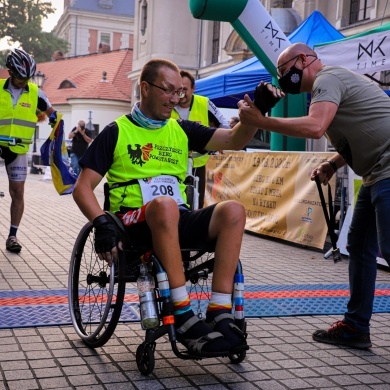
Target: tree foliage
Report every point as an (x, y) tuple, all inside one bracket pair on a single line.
[(21, 21)]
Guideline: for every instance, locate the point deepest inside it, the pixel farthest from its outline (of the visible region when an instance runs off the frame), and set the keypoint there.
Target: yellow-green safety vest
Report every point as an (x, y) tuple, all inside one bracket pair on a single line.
[(141, 153), (199, 112), (18, 122)]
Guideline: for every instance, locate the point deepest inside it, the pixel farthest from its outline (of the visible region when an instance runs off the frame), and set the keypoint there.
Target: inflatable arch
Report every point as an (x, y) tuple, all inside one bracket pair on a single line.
[(266, 40)]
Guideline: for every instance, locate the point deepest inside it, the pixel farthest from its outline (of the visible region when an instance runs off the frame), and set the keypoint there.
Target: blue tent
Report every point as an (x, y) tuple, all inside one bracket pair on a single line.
[(227, 87)]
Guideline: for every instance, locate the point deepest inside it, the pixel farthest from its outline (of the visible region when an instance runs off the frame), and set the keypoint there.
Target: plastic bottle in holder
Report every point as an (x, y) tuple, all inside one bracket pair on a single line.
[(147, 300)]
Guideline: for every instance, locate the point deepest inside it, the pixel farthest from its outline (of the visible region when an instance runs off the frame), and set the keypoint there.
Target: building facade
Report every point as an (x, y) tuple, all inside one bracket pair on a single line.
[(92, 26), (166, 28)]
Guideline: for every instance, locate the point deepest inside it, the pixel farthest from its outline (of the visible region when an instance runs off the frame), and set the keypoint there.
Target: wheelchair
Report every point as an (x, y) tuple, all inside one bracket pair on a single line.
[(98, 294)]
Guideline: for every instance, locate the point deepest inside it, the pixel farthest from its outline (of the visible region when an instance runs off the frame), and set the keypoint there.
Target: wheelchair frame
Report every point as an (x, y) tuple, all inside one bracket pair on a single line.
[(97, 292), (97, 295)]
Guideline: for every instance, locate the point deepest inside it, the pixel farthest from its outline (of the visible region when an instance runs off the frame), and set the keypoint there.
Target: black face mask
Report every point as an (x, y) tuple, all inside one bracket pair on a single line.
[(291, 81)]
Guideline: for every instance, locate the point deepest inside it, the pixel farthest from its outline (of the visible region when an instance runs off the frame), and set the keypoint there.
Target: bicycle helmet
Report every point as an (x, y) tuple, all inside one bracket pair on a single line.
[(20, 64)]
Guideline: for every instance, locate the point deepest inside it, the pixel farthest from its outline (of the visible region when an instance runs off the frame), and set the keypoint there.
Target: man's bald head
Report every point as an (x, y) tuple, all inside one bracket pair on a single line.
[(295, 50)]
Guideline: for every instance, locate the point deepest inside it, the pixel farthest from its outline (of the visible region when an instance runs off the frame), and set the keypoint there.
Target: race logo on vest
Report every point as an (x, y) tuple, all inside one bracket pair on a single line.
[(139, 155)]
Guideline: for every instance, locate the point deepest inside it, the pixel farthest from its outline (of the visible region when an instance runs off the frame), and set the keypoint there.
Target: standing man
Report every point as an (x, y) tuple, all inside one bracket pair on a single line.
[(20, 102), (147, 149), (354, 114), (202, 110), (81, 138)]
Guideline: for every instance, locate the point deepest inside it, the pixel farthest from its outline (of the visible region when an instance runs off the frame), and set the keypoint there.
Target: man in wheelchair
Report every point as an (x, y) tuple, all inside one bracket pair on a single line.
[(144, 157)]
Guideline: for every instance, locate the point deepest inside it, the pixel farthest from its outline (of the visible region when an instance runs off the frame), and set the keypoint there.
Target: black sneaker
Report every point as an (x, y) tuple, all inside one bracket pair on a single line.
[(12, 244), (197, 337), (224, 323), (341, 333)]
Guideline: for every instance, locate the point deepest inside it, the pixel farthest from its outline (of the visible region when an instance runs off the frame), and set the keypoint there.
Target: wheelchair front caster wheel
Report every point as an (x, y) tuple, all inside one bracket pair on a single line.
[(237, 357), (145, 358)]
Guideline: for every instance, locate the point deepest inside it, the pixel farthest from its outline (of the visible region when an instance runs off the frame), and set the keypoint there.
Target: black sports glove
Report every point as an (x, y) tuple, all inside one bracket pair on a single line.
[(264, 99), (106, 234)]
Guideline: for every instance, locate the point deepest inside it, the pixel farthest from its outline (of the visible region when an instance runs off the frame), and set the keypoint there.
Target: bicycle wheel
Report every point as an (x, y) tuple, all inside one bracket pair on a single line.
[(95, 291)]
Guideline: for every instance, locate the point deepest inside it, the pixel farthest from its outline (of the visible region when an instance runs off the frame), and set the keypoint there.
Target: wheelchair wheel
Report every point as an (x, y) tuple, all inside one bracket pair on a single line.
[(95, 291), (199, 266), (238, 357), (145, 358)]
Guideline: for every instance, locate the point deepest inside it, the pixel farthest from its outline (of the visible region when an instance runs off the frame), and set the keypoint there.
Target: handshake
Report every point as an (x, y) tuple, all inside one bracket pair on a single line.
[(264, 98)]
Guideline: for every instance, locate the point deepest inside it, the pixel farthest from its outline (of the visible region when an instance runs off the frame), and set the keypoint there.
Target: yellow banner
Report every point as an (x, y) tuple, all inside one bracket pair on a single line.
[(275, 188)]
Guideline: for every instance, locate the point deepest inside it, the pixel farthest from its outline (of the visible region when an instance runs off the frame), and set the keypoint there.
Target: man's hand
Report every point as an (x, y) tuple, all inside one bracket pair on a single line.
[(266, 96), (249, 114), (53, 119), (324, 172), (80, 129), (106, 238)]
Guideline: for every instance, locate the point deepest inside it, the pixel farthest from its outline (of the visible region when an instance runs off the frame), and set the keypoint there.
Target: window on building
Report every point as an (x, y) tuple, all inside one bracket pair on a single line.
[(360, 10), (67, 84), (384, 79), (107, 4), (143, 16), (216, 42), (105, 38), (282, 4), (105, 42)]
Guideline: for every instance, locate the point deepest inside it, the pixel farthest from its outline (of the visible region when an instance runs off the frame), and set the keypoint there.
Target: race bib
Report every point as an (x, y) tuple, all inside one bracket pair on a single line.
[(163, 185)]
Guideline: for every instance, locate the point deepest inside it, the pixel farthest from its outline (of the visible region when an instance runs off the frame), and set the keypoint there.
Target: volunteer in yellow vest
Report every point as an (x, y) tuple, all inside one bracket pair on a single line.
[(20, 101), (144, 157), (198, 109)]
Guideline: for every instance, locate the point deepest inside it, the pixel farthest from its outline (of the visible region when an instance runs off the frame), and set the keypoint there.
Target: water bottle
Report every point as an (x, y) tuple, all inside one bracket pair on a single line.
[(147, 300)]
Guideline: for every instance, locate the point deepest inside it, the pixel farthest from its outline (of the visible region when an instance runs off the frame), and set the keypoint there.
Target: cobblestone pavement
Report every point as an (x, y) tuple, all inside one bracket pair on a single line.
[(282, 353)]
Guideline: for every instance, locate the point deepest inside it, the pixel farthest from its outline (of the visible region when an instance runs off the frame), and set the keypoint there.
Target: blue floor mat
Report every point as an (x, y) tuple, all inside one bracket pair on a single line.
[(33, 308)]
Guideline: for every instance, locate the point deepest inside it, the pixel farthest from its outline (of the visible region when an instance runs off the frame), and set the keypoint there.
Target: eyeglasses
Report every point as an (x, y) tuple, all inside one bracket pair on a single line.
[(168, 91), (281, 74)]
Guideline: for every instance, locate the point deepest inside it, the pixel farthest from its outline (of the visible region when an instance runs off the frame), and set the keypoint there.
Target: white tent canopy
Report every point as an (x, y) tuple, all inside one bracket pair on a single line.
[(365, 53)]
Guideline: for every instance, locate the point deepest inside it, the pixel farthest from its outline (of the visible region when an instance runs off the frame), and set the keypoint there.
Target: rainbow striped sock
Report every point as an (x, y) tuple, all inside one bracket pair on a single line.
[(181, 300), (219, 302), (181, 307)]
